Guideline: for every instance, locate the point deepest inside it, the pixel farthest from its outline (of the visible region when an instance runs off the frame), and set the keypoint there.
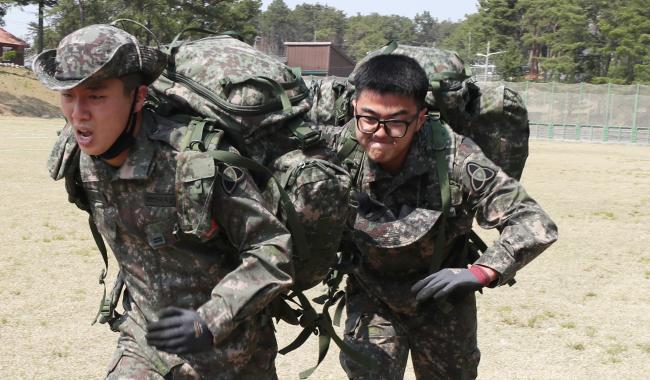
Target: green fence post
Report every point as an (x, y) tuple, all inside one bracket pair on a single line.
[(578, 127), (566, 113), (608, 112), (526, 93), (636, 109), (551, 128)]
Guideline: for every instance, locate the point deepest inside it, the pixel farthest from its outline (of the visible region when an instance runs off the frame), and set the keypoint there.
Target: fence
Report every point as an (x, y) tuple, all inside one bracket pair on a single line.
[(596, 113)]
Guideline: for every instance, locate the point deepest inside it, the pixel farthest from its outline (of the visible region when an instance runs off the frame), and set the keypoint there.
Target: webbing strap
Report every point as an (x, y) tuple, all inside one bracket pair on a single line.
[(321, 324), (293, 222), (349, 145), (390, 47), (105, 310), (275, 87), (440, 141), (306, 136)]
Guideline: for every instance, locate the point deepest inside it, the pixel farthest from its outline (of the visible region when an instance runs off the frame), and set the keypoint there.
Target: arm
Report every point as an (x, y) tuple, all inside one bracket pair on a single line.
[(501, 202), (264, 247)]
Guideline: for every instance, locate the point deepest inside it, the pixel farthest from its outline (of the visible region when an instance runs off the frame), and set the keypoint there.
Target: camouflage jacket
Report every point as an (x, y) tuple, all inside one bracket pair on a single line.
[(479, 189), (228, 278)]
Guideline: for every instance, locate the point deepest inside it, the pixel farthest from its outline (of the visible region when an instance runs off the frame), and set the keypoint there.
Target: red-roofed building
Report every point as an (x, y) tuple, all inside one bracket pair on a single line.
[(9, 42), (318, 58)]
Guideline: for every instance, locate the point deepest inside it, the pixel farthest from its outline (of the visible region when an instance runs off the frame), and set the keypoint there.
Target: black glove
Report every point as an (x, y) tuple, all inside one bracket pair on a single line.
[(179, 331), (446, 282)]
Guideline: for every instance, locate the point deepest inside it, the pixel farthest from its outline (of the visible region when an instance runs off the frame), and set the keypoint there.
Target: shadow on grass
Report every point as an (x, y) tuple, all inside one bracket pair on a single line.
[(27, 106)]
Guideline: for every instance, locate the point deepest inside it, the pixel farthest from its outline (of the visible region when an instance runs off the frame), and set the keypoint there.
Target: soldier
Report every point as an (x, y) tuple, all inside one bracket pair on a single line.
[(194, 302), (401, 278)]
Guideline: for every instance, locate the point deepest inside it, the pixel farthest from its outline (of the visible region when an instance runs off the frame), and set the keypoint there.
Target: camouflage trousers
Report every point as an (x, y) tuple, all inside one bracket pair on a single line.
[(443, 346), (249, 353)]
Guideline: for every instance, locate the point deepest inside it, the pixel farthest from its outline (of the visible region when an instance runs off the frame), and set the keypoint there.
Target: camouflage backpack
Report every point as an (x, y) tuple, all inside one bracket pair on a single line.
[(490, 113), (224, 87), (330, 98)]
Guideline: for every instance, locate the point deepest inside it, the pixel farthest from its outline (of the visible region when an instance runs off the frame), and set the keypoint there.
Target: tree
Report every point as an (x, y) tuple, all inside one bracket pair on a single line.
[(429, 31), (41, 9), (275, 27), (625, 25), (364, 34), (317, 23)]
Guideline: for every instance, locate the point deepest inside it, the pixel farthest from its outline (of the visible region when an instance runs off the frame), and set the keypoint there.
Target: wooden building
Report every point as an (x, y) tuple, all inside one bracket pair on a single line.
[(318, 58), (9, 42)]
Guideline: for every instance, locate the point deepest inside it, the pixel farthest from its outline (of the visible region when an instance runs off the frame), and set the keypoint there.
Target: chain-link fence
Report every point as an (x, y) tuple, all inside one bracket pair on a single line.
[(596, 113)]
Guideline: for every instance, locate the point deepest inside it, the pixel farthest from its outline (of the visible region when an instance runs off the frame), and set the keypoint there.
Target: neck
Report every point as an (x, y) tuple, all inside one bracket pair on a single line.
[(120, 159)]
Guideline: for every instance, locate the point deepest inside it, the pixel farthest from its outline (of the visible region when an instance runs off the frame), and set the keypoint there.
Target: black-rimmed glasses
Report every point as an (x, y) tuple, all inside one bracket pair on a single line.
[(393, 127)]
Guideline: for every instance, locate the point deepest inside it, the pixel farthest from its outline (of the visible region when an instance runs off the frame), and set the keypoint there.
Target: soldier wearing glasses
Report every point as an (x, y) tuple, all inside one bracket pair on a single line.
[(392, 237)]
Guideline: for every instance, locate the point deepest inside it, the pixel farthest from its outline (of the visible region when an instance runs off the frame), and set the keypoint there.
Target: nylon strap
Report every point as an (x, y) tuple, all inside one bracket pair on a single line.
[(440, 141), (275, 87), (104, 311), (306, 136), (293, 222), (390, 47)]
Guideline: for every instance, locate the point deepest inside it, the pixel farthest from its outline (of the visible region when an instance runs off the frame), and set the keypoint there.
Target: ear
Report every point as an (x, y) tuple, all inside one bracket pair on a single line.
[(141, 94), (422, 118), (354, 105)]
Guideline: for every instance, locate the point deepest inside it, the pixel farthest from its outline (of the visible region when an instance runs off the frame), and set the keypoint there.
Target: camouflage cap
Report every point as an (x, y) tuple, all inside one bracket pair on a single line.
[(399, 233), (99, 52)]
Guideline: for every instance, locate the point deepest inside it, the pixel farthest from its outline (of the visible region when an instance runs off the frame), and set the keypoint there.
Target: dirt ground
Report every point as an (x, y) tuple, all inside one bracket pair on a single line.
[(580, 311)]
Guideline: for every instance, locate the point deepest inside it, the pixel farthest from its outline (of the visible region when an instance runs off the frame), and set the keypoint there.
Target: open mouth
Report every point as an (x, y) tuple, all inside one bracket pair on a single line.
[(84, 136)]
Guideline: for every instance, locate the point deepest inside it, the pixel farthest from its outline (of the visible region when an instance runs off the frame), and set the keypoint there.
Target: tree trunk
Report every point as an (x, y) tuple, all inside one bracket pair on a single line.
[(41, 5), (81, 14)]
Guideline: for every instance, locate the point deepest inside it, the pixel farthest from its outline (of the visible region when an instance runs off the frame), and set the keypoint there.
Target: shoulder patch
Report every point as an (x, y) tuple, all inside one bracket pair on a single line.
[(231, 176), (479, 175)]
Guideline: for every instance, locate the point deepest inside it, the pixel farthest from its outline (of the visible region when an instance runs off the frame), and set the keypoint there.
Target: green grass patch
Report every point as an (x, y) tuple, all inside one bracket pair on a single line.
[(647, 275), (576, 346), (568, 325), (605, 215), (536, 320), (616, 349), (511, 321), (590, 295), (645, 347), (504, 309)]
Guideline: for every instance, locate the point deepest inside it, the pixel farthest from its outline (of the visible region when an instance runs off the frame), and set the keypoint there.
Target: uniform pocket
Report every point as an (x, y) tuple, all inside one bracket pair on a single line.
[(195, 179)]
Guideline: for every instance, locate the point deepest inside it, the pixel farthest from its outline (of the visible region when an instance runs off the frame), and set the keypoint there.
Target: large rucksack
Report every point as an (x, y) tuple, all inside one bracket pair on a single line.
[(221, 87), (490, 113)]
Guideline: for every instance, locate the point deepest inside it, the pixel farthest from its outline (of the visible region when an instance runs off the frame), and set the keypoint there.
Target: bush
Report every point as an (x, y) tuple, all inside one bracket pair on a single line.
[(9, 55)]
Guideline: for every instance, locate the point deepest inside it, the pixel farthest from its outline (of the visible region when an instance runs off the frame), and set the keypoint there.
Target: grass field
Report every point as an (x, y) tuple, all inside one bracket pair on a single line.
[(580, 311)]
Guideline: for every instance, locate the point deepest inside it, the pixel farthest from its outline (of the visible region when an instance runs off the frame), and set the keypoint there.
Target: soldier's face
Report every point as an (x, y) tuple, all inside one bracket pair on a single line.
[(98, 112), (389, 152)]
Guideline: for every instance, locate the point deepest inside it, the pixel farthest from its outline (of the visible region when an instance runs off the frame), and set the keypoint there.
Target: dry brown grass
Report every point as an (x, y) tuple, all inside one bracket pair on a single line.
[(22, 95), (580, 311)]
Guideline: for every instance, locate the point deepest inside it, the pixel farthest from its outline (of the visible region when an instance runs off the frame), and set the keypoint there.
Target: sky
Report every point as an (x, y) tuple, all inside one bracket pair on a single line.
[(18, 18)]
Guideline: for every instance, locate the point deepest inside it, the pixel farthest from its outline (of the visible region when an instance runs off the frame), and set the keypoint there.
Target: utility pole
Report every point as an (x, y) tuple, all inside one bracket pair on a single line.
[(487, 59)]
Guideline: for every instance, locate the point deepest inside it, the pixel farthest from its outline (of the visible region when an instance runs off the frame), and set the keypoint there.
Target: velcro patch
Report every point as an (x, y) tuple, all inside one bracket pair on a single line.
[(231, 176), (160, 200), (479, 175)]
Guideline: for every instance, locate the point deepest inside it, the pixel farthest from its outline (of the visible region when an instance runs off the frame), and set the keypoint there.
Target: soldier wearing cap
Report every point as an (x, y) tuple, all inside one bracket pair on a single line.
[(194, 302), (405, 291)]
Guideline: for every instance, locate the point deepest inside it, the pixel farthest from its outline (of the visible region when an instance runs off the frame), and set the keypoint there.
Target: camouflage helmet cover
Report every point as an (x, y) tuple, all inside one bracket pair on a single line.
[(99, 52)]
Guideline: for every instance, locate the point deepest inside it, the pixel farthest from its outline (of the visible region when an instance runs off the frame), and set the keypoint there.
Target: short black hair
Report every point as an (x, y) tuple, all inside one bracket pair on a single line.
[(132, 82), (392, 74)]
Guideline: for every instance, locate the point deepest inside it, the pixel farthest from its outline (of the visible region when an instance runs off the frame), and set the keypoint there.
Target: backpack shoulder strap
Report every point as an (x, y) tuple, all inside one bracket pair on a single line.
[(77, 195)]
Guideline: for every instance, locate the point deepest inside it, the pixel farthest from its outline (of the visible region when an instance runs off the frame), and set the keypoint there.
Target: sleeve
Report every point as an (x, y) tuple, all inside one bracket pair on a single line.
[(501, 202), (264, 245)]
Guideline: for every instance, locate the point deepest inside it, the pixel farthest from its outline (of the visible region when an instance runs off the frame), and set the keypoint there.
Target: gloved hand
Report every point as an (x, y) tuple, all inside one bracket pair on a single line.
[(449, 281), (179, 331)]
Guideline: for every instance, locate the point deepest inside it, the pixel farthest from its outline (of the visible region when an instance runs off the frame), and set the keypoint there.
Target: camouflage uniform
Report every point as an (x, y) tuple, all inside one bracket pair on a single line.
[(228, 273), (393, 244)]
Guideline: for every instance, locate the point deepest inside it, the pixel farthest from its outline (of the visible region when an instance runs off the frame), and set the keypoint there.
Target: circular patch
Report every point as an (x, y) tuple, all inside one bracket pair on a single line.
[(231, 176), (479, 176)]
